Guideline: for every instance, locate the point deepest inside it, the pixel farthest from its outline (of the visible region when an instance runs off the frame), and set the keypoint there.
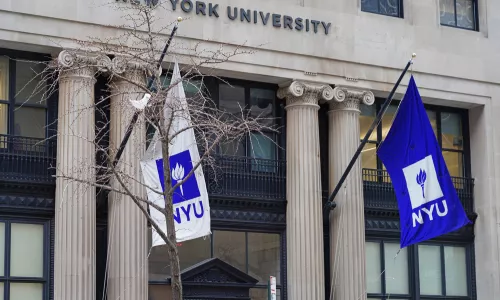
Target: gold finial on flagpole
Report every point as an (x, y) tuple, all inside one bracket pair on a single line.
[(179, 19)]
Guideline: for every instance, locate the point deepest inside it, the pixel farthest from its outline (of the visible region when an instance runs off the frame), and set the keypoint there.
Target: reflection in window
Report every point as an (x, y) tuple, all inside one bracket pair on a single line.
[(262, 105), (257, 254), (258, 103), (190, 253), (264, 256), (231, 99), (30, 83), (229, 246), (384, 7), (458, 13)]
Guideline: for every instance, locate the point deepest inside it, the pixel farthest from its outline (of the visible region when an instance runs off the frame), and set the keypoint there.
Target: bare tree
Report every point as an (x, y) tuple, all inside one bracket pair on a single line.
[(138, 42)]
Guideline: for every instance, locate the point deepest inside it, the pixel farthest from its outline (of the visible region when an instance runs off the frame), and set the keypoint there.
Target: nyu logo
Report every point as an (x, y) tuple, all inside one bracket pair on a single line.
[(423, 187), (180, 166)]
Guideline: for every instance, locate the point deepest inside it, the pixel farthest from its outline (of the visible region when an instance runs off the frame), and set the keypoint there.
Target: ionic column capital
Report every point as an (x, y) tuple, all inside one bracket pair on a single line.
[(82, 64), (349, 99), (132, 68), (300, 93)]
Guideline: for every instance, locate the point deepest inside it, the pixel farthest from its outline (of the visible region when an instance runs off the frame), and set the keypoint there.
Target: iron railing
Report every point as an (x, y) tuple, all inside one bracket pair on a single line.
[(379, 193), (24, 159), (246, 177)]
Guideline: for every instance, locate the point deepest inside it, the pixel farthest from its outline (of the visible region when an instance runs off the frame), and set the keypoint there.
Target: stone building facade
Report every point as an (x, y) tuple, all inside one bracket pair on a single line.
[(321, 70)]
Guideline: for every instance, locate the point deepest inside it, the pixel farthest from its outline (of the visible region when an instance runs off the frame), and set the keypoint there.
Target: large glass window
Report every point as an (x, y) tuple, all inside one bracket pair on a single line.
[(459, 13), (255, 253), (448, 126), (23, 260), (442, 271), (393, 8), (23, 109), (259, 103)]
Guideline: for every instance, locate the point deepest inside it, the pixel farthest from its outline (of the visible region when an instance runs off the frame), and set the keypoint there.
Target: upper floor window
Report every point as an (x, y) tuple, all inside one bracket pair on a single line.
[(459, 13), (424, 271), (393, 8), (256, 102), (449, 126), (23, 103)]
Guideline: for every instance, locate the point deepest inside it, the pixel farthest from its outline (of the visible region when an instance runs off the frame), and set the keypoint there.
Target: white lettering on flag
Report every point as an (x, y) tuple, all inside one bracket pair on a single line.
[(190, 199)]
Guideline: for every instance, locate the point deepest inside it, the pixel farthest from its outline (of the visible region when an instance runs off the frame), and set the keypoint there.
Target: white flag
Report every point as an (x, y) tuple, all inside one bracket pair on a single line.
[(190, 199)]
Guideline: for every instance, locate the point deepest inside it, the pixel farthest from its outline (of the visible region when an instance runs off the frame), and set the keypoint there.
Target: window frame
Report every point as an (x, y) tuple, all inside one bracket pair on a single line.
[(400, 11), (212, 85), (383, 295), (282, 259), (12, 105), (45, 280), (466, 167), (475, 15), (414, 269), (468, 266)]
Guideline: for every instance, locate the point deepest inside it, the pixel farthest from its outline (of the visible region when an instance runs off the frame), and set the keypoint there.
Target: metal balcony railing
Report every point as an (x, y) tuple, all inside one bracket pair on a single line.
[(246, 177), (24, 159), (379, 193)]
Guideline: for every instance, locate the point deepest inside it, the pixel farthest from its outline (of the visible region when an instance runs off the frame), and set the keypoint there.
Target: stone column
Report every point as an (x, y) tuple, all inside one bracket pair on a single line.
[(347, 221), (305, 260), (75, 220), (127, 225)]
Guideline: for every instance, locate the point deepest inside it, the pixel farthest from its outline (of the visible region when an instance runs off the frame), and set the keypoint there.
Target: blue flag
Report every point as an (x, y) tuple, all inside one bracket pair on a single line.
[(428, 202)]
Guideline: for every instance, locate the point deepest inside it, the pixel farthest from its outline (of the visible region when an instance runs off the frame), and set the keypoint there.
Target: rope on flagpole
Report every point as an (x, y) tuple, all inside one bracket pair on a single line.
[(149, 86), (330, 204)]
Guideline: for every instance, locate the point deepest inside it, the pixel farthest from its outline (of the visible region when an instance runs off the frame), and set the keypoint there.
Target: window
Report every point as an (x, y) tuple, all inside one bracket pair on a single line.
[(459, 13), (393, 8), (386, 271), (258, 103), (448, 126), (23, 260), (23, 110), (257, 254), (443, 270), (193, 89), (424, 271)]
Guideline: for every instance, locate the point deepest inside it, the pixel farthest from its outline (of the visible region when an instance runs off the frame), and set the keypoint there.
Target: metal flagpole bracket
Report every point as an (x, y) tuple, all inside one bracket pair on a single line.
[(135, 117), (330, 204)]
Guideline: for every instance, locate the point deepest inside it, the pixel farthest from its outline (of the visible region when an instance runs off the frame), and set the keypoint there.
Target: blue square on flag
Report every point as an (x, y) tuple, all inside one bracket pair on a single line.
[(427, 200), (180, 166)]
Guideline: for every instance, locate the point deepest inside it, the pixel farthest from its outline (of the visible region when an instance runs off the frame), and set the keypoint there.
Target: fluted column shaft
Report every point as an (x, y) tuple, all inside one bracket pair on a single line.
[(305, 260), (127, 225), (75, 221), (347, 221)]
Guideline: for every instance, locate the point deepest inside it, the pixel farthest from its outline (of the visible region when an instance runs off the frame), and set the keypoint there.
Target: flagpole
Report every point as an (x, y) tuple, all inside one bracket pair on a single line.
[(150, 84), (330, 204)]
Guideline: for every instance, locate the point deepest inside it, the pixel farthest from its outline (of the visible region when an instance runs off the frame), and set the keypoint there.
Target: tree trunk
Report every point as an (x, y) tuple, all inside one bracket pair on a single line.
[(169, 216)]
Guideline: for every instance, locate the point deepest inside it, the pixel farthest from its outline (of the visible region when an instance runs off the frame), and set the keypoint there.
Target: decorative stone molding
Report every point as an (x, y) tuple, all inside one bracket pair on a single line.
[(132, 68), (299, 93), (346, 98), (69, 60)]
